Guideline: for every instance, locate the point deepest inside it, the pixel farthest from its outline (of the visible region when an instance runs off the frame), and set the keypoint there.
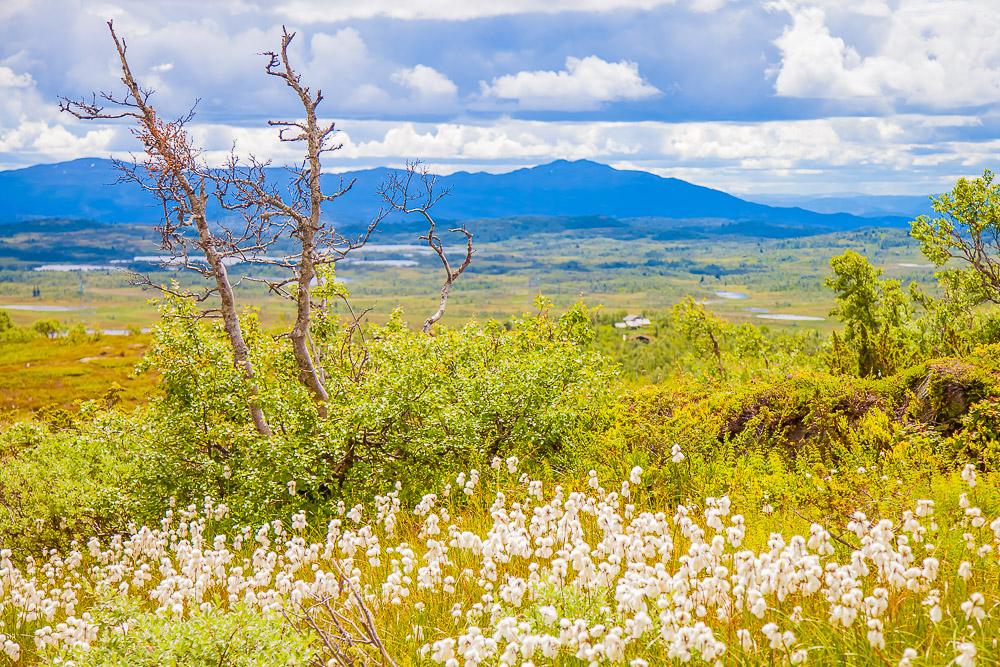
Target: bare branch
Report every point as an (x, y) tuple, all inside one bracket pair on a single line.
[(414, 191)]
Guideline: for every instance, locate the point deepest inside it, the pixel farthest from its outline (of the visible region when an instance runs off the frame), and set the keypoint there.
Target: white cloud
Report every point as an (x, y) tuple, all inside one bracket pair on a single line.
[(426, 83), (584, 84), (338, 64), (331, 11), (926, 52), (707, 6), (11, 79), (343, 51), (367, 96), (900, 153), (20, 99), (48, 142)]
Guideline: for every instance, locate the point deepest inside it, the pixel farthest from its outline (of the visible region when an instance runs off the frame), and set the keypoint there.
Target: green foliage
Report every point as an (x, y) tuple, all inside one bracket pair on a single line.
[(779, 433), (464, 396), (239, 637), (11, 333), (703, 329), (665, 352), (47, 328), (404, 407), (739, 409), (59, 484), (876, 313), (966, 229)]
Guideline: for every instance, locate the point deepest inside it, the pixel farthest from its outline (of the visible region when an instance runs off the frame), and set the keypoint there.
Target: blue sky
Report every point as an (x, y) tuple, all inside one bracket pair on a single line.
[(772, 96)]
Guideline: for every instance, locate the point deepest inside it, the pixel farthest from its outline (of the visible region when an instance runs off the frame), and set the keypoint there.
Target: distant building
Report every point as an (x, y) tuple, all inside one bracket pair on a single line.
[(633, 322)]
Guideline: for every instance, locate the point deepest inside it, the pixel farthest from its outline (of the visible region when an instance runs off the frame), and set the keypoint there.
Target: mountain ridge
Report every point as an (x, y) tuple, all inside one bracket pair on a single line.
[(85, 189)]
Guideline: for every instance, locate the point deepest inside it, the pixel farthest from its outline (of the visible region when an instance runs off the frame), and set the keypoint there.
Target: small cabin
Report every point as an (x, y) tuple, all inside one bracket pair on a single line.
[(633, 322)]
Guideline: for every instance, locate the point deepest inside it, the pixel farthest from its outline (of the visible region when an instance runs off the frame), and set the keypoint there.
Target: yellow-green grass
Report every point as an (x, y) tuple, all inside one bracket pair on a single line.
[(62, 372)]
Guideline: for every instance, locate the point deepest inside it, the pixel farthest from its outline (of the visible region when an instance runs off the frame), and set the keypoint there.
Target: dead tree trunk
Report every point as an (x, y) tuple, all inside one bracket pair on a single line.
[(307, 218), (451, 275), (296, 209), (171, 165)]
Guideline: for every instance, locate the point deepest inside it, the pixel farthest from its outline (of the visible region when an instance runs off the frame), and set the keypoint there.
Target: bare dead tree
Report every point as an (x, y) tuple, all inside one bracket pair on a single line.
[(414, 191), (299, 208), (172, 172)]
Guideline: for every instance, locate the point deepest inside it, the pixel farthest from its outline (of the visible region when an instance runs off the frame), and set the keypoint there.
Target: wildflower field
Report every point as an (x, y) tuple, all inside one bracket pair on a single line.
[(501, 568)]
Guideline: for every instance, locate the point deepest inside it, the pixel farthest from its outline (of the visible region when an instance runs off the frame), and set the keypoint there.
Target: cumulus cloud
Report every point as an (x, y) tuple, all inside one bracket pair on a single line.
[(889, 154), (386, 80), (34, 141), (586, 83), (426, 83), (925, 53), (20, 99), (11, 79), (343, 51)]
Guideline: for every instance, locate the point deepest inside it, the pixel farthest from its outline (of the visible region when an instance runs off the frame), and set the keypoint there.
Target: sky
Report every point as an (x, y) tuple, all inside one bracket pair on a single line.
[(767, 96)]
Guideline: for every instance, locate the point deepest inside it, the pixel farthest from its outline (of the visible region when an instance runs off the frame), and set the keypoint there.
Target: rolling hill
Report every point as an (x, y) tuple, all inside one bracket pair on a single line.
[(87, 189)]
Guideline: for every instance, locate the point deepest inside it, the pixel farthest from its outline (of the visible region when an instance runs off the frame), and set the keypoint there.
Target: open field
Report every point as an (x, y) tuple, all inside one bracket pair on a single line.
[(741, 279), (63, 372), (782, 277)]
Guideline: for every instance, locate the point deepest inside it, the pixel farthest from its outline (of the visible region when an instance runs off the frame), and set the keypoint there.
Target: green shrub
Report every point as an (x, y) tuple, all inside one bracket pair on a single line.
[(417, 410), (239, 637), (60, 485)]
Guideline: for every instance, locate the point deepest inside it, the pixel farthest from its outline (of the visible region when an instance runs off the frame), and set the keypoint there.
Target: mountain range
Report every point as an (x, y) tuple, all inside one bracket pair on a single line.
[(86, 189)]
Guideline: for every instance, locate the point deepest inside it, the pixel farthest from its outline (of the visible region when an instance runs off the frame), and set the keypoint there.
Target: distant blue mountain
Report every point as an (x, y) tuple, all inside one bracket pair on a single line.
[(909, 206), (87, 189)]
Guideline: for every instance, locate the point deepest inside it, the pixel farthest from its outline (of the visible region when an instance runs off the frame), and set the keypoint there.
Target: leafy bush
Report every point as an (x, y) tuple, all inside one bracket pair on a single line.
[(59, 485), (418, 409), (11, 333), (237, 637)]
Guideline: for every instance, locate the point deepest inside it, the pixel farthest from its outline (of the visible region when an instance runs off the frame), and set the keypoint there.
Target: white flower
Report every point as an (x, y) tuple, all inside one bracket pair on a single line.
[(635, 477), (676, 455), (875, 637), (925, 508), (969, 474), (12, 649), (973, 607), (512, 462), (548, 614), (966, 654)]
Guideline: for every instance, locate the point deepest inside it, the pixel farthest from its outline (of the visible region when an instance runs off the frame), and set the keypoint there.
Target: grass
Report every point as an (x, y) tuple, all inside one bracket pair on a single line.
[(594, 529), (639, 275), (64, 372)]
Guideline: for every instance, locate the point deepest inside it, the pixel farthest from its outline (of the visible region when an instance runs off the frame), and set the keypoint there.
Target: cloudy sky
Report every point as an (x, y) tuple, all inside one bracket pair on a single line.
[(753, 96)]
